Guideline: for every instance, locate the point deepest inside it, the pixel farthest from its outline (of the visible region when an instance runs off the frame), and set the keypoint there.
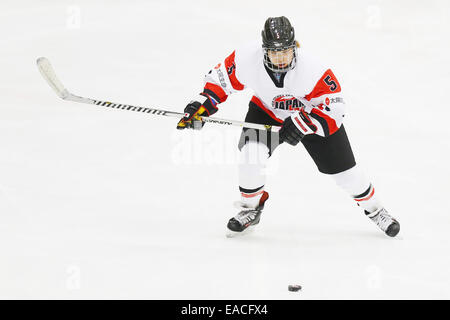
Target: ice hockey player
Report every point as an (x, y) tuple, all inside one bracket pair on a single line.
[(296, 91)]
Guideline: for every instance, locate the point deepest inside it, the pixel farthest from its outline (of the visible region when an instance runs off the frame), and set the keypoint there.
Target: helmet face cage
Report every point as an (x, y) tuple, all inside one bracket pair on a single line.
[(279, 45), (280, 59)]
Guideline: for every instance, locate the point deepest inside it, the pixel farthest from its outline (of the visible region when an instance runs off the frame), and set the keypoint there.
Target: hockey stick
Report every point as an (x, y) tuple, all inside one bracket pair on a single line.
[(49, 75)]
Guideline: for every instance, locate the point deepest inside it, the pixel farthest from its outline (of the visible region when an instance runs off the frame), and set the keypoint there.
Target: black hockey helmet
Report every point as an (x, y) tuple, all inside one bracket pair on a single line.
[(278, 35)]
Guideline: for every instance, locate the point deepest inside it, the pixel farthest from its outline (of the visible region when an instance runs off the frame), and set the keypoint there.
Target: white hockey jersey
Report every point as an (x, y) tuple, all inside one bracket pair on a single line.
[(310, 88)]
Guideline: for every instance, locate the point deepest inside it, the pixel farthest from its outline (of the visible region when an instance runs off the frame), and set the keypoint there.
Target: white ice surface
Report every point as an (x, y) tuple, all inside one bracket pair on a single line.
[(99, 203)]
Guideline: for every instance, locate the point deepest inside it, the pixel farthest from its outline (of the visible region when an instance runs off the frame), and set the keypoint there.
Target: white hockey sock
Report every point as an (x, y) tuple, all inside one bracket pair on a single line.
[(253, 159), (356, 184)]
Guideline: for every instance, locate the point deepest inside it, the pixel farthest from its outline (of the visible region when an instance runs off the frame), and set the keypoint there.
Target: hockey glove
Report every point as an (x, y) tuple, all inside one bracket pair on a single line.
[(203, 105), (295, 128)]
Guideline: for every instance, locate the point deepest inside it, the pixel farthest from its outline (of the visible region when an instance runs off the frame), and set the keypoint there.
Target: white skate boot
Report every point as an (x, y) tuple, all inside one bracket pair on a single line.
[(384, 221), (246, 217)]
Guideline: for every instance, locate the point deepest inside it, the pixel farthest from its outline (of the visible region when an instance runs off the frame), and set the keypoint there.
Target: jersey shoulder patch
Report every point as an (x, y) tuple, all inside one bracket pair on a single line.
[(230, 66), (327, 84)]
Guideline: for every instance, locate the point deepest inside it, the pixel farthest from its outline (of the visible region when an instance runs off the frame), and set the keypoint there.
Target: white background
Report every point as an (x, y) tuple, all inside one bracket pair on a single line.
[(99, 203)]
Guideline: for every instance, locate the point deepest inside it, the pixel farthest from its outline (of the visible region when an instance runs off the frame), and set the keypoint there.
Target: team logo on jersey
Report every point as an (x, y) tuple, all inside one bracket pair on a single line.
[(286, 102)]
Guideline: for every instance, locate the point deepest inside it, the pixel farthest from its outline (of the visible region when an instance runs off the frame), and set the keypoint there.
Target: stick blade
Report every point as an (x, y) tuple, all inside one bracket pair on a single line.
[(49, 75)]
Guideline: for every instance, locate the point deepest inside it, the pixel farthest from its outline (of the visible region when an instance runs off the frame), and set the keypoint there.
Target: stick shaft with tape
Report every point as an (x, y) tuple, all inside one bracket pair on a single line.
[(49, 75)]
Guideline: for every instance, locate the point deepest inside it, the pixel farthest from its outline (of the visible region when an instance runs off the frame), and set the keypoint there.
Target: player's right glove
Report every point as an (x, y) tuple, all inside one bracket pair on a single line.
[(296, 127), (203, 105)]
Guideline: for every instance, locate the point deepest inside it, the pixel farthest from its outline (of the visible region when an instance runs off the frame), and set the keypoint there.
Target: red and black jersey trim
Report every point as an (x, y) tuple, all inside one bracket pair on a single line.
[(331, 123), (215, 91), (323, 123), (258, 103), (307, 120)]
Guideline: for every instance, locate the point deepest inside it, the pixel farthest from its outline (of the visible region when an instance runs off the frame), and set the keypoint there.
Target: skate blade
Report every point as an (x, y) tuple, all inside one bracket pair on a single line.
[(234, 234)]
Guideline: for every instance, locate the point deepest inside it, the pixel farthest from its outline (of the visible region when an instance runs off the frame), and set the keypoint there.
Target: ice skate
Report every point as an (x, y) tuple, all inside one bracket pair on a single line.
[(384, 221), (246, 219)]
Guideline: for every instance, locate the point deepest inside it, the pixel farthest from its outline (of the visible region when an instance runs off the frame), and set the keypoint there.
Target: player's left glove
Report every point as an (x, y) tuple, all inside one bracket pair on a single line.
[(203, 105), (296, 127)]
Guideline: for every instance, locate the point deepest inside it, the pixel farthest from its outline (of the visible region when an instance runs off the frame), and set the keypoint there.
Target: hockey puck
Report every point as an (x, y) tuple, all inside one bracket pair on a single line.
[(294, 287)]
